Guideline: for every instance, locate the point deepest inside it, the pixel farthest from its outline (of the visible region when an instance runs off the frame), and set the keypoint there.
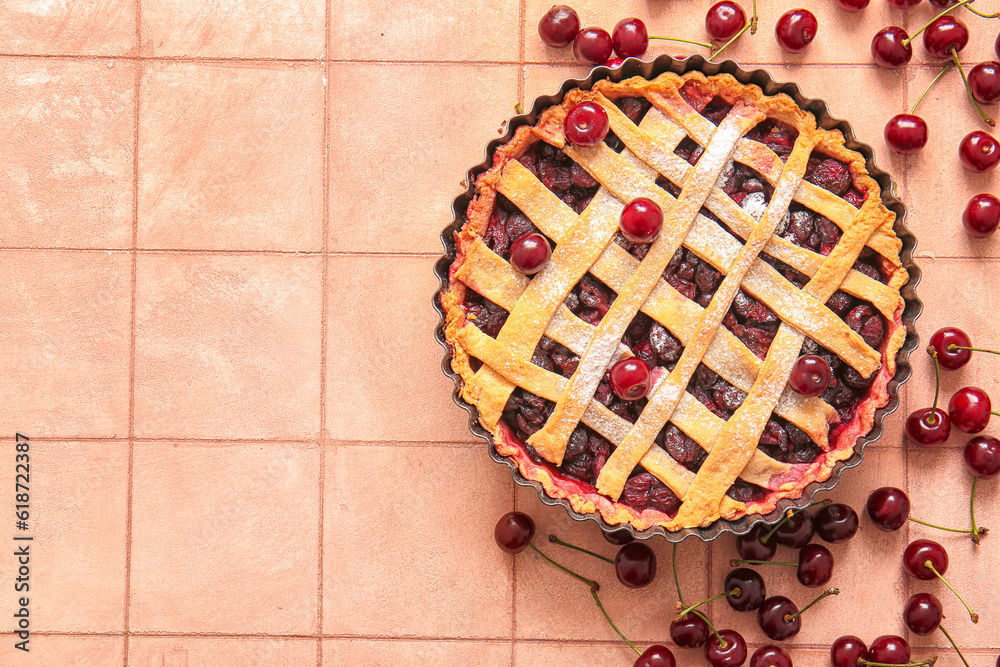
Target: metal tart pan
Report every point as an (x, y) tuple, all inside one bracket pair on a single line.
[(650, 70)]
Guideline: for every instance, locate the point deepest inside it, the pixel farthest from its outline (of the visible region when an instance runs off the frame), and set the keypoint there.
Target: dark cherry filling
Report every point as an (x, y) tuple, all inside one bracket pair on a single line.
[(749, 319)]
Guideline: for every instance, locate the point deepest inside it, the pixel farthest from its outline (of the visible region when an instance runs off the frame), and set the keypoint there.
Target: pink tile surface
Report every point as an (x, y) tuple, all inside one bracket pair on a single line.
[(218, 226)]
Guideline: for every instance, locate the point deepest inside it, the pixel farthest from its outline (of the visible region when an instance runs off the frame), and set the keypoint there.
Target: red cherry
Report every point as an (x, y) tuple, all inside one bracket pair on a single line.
[(635, 565), (984, 81), (846, 651), (770, 656), (889, 49), (630, 379), (529, 253), (982, 457), (890, 650), (810, 375), (947, 358), (795, 30), (592, 46), (944, 34), (906, 133), (586, 124), (916, 555), (725, 19), (941, 4), (656, 656), (641, 221), (982, 215), (928, 427), (617, 537), (614, 62), (888, 508), (815, 566), (732, 655), (630, 38), (690, 631), (853, 5), (979, 151), (559, 26), (514, 531), (996, 50), (969, 409), (922, 613), (904, 4)]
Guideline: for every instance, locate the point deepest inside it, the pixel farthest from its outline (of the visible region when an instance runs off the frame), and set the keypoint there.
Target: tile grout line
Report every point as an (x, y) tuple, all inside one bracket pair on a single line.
[(324, 319), (135, 271)]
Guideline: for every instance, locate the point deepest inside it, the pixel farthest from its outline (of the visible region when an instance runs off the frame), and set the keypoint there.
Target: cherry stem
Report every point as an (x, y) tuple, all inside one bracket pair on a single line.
[(685, 41), (930, 566), (684, 612), (952, 347), (722, 642), (677, 581), (614, 627), (944, 70), (929, 662), (909, 39), (979, 13), (828, 592), (518, 108), (933, 418), (788, 515), (968, 89), (977, 533), (594, 587), (736, 561), (555, 540), (680, 599), (953, 645), (931, 525), (751, 26)]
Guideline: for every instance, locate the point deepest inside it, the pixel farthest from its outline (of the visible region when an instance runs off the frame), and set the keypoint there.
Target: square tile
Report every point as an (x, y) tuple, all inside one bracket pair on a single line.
[(866, 569), (380, 328), (964, 299), (408, 543), (70, 128), (528, 653), (837, 28), (369, 161), (65, 651), (221, 651), (81, 27), (78, 506), (939, 187), (228, 346), (939, 485), (250, 546), (64, 353), (551, 605), (231, 157), (449, 30), (234, 28), (422, 653)]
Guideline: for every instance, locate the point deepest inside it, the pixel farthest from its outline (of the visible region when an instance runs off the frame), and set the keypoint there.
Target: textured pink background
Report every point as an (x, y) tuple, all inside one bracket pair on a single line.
[(217, 227)]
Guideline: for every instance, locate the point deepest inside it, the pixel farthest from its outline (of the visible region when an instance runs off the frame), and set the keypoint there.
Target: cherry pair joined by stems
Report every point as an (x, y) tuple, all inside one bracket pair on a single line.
[(726, 21), (635, 562), (885, 651), (930, 426), (513, 533), (814, 569), (925, 560)]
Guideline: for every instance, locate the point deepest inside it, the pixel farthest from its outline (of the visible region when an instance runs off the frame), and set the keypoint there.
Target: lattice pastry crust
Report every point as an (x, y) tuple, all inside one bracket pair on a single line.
[(584, 245)]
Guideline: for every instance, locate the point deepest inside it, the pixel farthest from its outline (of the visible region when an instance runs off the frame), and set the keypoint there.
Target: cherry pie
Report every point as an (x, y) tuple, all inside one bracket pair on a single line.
[(775, 244)]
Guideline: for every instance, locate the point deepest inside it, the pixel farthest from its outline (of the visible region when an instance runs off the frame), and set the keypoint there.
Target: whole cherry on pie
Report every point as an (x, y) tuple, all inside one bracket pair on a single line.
[(981, 216), (530, 253), (630, 379), (724, 19), (559, 26), (979, 151), (586, 124), (641, 220), (810, 375), (629, 38), (891, 47), (592, 46), (796, 30)]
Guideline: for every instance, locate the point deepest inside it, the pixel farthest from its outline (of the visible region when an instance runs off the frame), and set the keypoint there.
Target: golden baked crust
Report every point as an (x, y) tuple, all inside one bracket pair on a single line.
[(584, 246)]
